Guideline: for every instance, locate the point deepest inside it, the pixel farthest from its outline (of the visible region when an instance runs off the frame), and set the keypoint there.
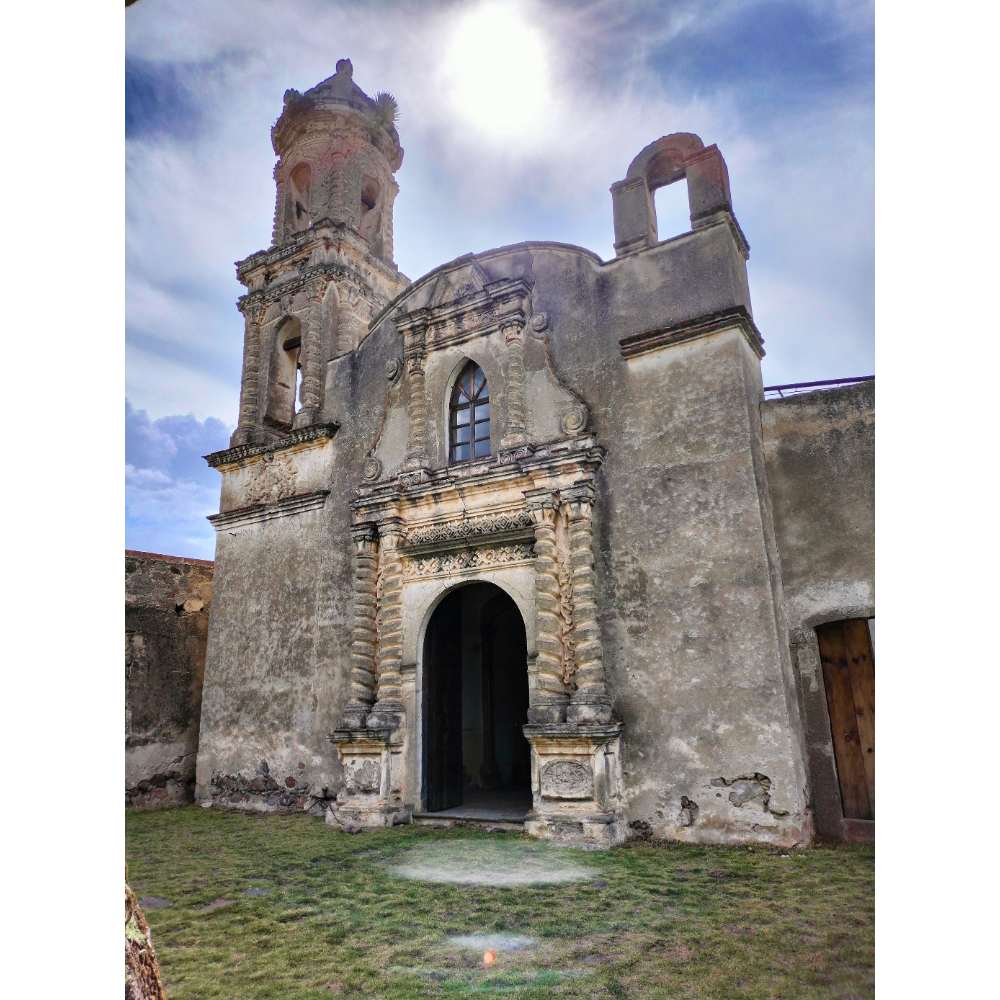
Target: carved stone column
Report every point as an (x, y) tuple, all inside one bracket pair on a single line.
[(548, 694), (414, 356), (252, 316), (312, 361), (389, 706), (363, 632), (590, 702), (516, 436)]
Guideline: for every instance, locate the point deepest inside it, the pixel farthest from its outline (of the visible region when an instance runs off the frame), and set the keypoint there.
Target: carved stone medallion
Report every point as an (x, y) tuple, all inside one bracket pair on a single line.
[(575, 419), (393, 368), (567, 779), (362, 777), (372, 470)]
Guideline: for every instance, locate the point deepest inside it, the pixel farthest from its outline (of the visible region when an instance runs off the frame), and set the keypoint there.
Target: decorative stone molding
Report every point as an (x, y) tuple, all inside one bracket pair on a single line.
[(312, 360), (389, 705), (566, 779), (513, 333), (590, 702), (240, 453), (576, 783), (574, 420), (237, 520), (548, 696), (372, 470), (415, 356), (469, 528), (372, 795), (482, 557), (271, 480), (511, 456), (253, 315), (692, 329), (363, 632)]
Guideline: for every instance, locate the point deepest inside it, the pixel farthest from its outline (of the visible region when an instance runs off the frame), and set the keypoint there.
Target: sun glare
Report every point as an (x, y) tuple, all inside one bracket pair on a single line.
[(495, 71)]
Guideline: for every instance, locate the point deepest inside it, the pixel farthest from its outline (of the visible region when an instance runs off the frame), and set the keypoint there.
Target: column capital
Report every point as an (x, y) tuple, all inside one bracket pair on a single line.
[(579, 500), (512, 328), (390, 531), (542, 505), (364, 534)]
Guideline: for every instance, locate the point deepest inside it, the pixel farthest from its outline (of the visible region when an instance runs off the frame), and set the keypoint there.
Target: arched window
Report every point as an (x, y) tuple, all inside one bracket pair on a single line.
[(469, 416)]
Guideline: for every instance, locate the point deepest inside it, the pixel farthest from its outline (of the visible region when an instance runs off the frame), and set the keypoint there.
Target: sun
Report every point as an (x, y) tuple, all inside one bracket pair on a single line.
[(495, 71)]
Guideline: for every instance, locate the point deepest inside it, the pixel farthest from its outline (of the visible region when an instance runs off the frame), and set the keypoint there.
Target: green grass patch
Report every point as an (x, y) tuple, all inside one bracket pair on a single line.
[(330, 918)]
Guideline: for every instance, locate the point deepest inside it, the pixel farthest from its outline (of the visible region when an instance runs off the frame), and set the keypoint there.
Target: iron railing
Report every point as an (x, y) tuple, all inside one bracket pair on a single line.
[(794, 388)]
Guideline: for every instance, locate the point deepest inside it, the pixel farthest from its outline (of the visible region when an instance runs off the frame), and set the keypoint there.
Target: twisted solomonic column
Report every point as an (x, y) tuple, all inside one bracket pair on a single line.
[(416, 450), (312, 361), (590, 702), (390, 628), (513, 332), (548, 694), (252, 317), (363, 642)]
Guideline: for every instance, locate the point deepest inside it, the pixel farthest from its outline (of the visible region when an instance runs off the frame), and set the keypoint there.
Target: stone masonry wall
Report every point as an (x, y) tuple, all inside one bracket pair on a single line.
[(167, 602)]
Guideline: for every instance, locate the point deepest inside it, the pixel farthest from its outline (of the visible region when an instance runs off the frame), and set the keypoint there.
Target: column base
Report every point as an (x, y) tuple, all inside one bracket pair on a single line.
[(371, 798), (589, 712), (576, 784), (385, 715), (305, 418)]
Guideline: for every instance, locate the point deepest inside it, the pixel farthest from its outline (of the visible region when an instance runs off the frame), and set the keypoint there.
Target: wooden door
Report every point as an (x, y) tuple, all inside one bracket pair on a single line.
[(849, 677)]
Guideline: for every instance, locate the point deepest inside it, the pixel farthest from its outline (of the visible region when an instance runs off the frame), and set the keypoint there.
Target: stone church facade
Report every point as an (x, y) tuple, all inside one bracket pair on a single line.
[(514, 536)]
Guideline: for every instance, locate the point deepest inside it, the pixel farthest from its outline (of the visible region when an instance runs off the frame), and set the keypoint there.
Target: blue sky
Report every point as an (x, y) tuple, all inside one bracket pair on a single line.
[(521, 142)]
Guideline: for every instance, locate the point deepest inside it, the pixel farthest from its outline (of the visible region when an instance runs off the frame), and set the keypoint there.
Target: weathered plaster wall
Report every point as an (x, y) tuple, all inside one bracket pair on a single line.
[(820, 449), (688, 588), (167, 601)]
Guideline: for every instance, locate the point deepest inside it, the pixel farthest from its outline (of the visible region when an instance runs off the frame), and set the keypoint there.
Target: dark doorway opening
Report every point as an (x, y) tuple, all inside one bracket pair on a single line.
[(475, 688)]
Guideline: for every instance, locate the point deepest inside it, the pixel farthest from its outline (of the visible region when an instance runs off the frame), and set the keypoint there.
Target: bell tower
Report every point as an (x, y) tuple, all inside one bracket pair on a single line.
[(330, 268)]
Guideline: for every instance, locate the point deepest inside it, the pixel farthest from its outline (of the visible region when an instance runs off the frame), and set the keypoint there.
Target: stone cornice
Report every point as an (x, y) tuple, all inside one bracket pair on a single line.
[(304, 435), (473, 312), (662, 337), (245, 516), (582, 455), (311, 239)]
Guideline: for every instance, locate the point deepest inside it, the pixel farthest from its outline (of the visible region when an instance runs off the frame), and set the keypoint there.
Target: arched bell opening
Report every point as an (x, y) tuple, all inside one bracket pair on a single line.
[(476, 761)]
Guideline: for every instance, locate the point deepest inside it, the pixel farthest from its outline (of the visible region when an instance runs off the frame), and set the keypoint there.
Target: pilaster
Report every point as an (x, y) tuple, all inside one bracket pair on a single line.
[(547, 695), (312, 360), (363, 633), (252, 316), (389, 704), (590, 702), (513, 332)]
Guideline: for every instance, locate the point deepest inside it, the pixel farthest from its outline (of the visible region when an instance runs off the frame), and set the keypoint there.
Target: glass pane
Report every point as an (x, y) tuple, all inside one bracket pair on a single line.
[(462, 416), (480, 379), (482, 430), (482, 411), (482, 448), (460, 453), (461, 435), (460, 396)]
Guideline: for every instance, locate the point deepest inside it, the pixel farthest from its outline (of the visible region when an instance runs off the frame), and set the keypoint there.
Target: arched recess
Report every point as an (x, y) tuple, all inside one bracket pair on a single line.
[(440, 385), (300, 195), (283, 379), (474, 703)]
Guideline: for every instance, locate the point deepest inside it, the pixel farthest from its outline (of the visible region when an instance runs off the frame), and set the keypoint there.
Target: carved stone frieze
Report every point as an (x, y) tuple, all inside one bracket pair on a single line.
[(272, 479), (473, 527), (362, 776), (478, 558)]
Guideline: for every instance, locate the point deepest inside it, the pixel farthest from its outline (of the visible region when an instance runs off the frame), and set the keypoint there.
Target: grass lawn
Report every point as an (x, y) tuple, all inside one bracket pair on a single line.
[(282, 906)]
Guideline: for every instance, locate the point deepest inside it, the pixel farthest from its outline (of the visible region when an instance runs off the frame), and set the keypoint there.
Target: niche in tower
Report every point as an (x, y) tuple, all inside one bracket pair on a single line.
[(300, 196), (371, 215), (283, 390)]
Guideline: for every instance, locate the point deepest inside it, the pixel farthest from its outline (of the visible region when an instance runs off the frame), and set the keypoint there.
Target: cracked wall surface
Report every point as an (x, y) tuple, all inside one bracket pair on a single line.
[(167, 602)]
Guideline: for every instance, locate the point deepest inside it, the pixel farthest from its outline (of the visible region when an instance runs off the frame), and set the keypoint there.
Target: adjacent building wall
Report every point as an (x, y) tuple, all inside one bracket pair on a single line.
[(167, 602), (820, 453)]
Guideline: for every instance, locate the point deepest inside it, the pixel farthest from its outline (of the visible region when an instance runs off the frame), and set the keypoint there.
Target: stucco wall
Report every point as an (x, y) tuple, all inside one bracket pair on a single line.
[(167, 601), (820, 449), (688, 590)]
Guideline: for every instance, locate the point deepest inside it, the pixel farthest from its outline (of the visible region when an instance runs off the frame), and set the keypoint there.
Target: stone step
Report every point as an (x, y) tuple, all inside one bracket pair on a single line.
[(480, 822)]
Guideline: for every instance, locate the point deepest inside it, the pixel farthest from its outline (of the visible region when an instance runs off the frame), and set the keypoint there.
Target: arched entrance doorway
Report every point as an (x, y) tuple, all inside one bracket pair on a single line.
[(476, 761)]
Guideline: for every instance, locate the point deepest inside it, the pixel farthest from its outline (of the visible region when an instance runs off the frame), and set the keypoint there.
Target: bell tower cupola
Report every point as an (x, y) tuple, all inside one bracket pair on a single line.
[(312, 294), (338, 150)]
